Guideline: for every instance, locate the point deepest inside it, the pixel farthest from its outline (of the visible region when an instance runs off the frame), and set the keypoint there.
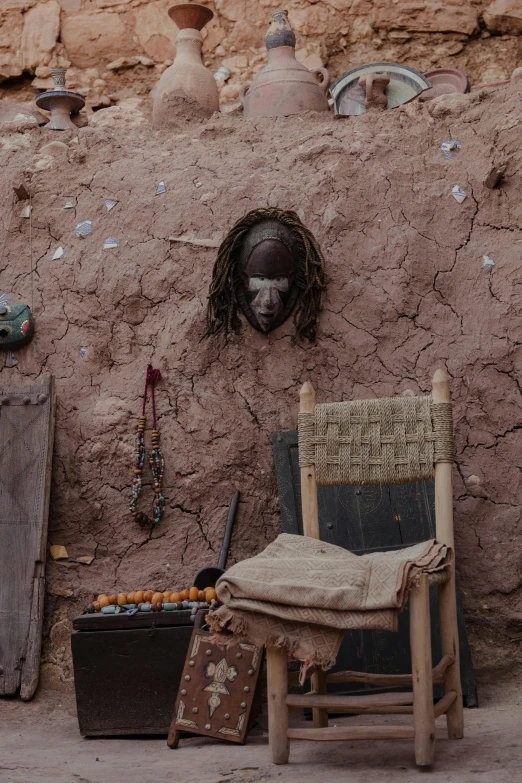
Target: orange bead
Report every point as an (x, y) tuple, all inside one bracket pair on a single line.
[(210, 594), (201, 596), (130, 598), (184, 595), (138, 596), (113, 599), (193, 594), (97, 606), (103, 600), (147, 595), (175, 598), (102, 595), (157, 598), (122, 599)]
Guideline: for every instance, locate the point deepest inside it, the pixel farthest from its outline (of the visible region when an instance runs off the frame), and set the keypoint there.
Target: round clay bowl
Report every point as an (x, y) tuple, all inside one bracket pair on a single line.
[(191, 15), (445, 81), (350, 98)]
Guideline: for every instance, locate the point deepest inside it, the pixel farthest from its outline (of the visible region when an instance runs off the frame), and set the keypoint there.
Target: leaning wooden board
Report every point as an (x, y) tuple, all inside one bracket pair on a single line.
[(365, 519), (26, 438)]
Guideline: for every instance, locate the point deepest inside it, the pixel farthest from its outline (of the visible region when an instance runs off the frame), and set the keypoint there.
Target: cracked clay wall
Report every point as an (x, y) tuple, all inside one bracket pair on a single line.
[(407, 294)]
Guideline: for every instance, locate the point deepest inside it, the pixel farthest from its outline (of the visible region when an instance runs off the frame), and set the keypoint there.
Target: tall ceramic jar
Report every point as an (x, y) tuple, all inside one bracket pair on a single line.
[(187, 77), (284, 86)]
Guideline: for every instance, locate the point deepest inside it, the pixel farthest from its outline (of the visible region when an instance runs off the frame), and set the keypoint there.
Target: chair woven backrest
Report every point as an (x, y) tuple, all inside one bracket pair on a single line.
[(386, 441)]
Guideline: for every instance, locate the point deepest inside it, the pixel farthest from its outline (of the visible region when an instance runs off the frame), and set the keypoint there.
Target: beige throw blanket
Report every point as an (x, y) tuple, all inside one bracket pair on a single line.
[(303, 594)]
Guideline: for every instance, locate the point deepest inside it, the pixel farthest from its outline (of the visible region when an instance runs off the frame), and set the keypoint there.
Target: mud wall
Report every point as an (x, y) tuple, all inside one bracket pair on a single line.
[(407, 294), (116, 49)]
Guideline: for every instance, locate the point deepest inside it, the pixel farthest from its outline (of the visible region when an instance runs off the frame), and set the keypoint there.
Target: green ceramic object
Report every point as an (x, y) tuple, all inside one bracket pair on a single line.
[(16, 326)]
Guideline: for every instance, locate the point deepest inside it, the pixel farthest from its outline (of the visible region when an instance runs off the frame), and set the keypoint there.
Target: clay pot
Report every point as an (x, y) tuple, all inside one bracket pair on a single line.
[(187, 77), (284, 86)]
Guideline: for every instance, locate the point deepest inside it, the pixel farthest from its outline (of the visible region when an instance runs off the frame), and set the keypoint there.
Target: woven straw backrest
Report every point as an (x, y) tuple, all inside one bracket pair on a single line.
[(387, 441)]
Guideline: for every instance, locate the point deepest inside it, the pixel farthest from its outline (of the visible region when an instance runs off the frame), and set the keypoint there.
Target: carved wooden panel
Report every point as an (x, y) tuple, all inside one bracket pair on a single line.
[(217, 689), (26, 442)]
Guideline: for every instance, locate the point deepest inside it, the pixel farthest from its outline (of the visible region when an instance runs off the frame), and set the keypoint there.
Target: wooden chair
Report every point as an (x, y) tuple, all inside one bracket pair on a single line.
[(379, 441)]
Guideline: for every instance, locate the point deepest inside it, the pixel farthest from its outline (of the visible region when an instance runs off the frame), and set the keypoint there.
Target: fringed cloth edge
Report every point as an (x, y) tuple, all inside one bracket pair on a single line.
[(314, 633)]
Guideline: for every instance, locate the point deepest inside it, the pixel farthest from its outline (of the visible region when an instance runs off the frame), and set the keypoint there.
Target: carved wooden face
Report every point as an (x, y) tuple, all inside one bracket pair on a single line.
[(268, 276)]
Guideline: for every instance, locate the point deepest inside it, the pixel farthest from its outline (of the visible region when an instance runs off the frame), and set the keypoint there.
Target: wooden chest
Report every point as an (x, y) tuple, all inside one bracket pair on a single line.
[(127, 671)]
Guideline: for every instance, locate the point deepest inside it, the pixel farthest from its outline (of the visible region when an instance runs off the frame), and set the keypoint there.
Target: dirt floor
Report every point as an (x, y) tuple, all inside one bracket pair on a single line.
[(39, 741)]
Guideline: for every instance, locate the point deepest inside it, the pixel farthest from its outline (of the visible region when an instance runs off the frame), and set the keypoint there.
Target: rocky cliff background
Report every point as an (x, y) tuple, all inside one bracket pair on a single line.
[(116, 49)]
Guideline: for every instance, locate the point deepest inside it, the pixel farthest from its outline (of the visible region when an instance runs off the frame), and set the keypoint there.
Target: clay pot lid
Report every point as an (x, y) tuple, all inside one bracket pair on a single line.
[(75, 100), (444, 81), (190, 15), (405, 84)]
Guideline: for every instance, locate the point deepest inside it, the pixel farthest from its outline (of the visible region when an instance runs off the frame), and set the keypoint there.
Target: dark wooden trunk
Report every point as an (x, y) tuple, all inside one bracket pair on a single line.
[(365, 519), (127, 671)]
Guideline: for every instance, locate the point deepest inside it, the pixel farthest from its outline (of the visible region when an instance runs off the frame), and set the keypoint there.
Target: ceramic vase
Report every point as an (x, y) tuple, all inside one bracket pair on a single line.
[(60, 102), (187, 77), (284, 86)]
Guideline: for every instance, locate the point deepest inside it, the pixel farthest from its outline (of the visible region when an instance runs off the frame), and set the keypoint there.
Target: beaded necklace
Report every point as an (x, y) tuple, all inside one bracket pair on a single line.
[(156, 461)]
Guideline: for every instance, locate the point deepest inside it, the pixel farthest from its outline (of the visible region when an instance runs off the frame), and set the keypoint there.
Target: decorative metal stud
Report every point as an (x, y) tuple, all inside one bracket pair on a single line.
[(187, 677), (246, 689), (251, 672), (191, 663), (42, 398), (239, 655), (209, 652), (183, 692), (208, 726), (4, 401), (26, 400), (243, 704), (195, 710), (227, 716)]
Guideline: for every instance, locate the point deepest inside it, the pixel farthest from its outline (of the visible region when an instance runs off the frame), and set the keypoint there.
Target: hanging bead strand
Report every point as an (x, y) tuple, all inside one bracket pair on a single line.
[(139, 462), (156, 461), (157, 467)]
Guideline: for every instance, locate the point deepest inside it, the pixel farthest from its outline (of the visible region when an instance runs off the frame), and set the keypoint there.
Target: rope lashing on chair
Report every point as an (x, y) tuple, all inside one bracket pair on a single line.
[(384, 441)]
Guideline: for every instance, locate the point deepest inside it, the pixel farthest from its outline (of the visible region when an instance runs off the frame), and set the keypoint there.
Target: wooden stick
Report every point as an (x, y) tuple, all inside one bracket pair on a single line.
[(277, 689), (447, 593), (318, 682), (333, 701), (420, 643), (389, 680), (445, 703), (405, 709), (353, 733), (308, 483)]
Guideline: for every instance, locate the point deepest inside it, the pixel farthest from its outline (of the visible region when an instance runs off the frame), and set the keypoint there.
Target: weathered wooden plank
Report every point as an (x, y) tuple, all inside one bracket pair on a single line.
[(26, 435)]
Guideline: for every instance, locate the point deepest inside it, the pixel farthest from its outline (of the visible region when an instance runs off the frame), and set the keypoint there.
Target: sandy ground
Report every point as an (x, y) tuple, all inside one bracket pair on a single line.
[(40, 742)]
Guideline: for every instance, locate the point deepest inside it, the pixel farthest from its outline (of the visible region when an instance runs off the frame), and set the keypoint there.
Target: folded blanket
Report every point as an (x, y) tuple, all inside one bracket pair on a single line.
[(303, 594)]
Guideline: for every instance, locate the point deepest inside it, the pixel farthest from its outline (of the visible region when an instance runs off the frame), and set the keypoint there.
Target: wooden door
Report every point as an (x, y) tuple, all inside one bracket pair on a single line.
[(26, 444)]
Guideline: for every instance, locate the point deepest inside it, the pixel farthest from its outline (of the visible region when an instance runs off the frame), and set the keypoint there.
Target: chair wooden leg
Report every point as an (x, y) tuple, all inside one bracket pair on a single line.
[(420, 642), (277, 687), (320, 716), (450, 646)]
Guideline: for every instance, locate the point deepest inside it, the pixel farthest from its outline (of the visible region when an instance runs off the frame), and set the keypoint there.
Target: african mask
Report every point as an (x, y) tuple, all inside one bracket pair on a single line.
[(268, 266), (16, 325)]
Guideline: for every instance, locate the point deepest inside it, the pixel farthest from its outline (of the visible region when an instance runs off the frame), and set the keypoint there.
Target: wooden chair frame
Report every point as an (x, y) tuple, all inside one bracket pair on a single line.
[(420, 700)]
